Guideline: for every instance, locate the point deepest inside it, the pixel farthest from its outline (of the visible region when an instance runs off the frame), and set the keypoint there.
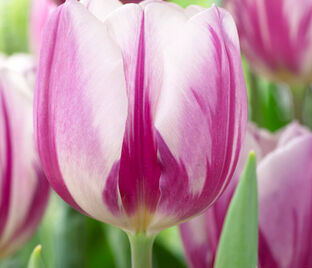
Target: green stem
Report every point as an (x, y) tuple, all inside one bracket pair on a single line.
[(299, 94), (141, 250), (255, 99)]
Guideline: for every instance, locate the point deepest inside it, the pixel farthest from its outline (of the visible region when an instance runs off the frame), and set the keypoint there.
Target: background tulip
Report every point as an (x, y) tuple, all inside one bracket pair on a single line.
[(276, 37), (284, 180), (23, 186)]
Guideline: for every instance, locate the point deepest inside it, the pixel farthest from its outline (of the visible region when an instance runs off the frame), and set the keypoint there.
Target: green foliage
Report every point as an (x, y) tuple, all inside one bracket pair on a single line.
[(238, 246), (307, 109), (270, 104), (35, 260), (203, 3), (71, 240), (14, 17)]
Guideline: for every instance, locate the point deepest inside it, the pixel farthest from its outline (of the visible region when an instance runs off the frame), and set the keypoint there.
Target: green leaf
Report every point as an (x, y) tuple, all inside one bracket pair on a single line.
[(35, 260), (203, 3), (14, 18), (238, 246), (307, 108)]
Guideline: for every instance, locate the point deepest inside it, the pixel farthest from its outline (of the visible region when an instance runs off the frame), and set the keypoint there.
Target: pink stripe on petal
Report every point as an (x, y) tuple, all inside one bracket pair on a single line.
[(6, 176), (43, 123), (201, 112), (111, 191), (139, 168), (33, 216), (84, 103)]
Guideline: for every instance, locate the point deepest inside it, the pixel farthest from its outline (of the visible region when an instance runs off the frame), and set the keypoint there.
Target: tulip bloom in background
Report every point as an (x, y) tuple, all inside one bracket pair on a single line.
[(23, 186), (140, 111), (276, 37), (284, 181)]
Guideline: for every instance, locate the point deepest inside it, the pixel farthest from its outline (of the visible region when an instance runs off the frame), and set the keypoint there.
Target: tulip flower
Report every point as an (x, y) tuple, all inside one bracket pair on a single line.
[(276, 37), (140, 110), (24, 189), (284, 181)]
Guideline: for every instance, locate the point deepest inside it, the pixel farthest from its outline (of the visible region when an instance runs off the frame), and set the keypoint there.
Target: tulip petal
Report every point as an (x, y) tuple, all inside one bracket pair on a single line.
[(79, 119), (139, 169), (101, 9), (285, 183), (6, 166), (292, 131), (200, 93), (24, 188), (199, 251)]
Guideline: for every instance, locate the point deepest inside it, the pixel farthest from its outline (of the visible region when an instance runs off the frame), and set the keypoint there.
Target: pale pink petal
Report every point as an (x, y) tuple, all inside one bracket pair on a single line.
[(197, 241), (81, 106), (290, 132), (203, 87), (101, 9), (285, 183), (266, 140), (24, 189)]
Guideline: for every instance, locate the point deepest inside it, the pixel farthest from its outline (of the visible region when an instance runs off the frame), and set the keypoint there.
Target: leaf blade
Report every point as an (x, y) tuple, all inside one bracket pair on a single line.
[(238, 246)]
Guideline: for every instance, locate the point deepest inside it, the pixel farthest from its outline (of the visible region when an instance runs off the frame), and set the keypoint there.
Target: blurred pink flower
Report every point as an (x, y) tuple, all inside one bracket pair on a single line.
[(23, 186), (285, 182), (140, 112), (276, 37)]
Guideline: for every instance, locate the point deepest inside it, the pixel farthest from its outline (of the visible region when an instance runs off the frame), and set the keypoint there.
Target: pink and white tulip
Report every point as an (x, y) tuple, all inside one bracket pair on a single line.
[(140, 110), (285, 181), (276, 37), (24, 189)]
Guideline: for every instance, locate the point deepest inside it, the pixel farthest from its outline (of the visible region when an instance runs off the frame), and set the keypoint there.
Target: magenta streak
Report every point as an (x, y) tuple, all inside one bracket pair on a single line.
[(220, 166), (7, 172), (139, 168), (266, 258), (225, 172), (45, 128), (59, 2), (110, 192)]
